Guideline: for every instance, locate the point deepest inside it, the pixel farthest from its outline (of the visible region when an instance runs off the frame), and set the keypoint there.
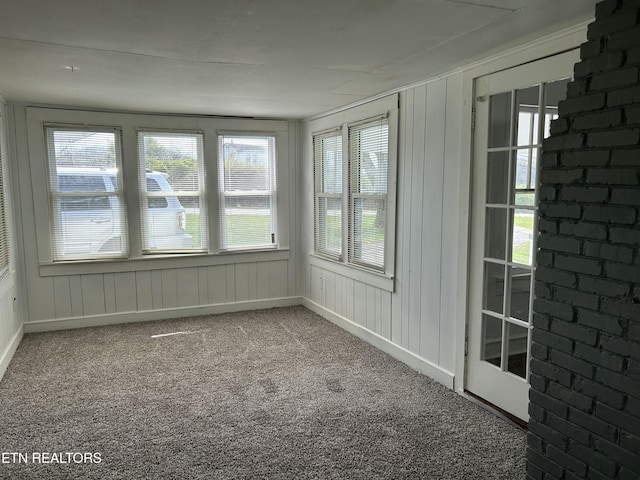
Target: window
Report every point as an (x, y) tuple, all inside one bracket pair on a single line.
[(155, 190), (358, 189), (86, 197), (172, 193), (247, 191), (4, 227), (327, 153), (368, 167)]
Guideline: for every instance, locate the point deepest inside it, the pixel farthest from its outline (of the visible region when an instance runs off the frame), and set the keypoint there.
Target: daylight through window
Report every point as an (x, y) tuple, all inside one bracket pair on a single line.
[(247, 191), (172, 191), (87, 201)]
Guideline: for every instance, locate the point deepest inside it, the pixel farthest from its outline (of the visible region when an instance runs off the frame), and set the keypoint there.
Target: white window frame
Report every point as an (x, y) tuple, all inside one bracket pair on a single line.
[(355, 193), (383, 107), (56, 195), (271, 192), (130, 124), (320, 193), (201, 195)]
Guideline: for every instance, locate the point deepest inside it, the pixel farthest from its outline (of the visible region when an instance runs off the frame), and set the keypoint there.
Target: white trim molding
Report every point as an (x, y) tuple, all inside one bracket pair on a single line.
[(10, 351), (412, 360), (149, 315)]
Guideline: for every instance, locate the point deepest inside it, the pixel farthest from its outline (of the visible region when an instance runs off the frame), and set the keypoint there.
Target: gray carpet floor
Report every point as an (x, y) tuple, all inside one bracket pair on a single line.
[(270, 394)]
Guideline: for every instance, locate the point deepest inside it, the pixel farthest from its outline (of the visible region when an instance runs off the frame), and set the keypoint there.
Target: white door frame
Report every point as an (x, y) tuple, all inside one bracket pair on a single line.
[(502, 388), (570, 38)]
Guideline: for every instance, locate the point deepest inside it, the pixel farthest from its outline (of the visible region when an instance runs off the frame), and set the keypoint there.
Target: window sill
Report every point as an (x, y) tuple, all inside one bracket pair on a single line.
[(375, 279), (157, 262)]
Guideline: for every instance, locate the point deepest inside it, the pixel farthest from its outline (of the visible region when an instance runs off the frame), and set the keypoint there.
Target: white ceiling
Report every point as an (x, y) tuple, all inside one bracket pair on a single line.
[(276, 58)]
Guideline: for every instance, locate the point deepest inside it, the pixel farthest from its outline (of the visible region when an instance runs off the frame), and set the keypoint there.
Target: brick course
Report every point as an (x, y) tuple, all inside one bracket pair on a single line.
[(585, 369)]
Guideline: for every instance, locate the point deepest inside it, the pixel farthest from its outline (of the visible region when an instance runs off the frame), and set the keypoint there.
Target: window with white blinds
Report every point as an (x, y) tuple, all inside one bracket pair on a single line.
[(327, 160), (86, 193), (4, 226), (172, 191), (247, 191), (368, 173)]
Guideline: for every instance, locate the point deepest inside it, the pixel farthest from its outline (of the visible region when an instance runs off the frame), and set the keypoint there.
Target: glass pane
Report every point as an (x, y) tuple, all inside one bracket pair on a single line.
[(369, 220), (498, 178), (493, 297), (522, 240), (172, 163), (495, 233), (90, 223), (195, 220), (523, 168), (329, 235), (527, 101), (525, 176), (247, 180), (491, 340), (246, 221), (247, 163), (517, 356), (332, 164), (369, 151), (520, 292), (553, 92), (525, 198), (499, 120)]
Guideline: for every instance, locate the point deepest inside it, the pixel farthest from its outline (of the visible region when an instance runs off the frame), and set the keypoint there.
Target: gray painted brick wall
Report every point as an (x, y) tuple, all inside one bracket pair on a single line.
[(585, 368)]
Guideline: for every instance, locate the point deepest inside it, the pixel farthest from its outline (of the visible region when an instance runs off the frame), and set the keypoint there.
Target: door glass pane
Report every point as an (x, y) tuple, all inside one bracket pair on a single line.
[(520, 292), (525, 176), (499, 120), (517, 346), (553, 92), (493, 298), (522, 240), (495, 233), (491, 340), (498, 178), (525, 168), (527, 101)]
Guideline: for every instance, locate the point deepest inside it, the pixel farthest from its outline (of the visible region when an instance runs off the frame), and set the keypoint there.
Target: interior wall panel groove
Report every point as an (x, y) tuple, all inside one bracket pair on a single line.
[(413, 316), (69, 296)]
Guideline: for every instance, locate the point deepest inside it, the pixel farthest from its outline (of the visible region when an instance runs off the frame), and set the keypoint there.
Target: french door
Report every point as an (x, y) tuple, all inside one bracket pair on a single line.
[(513, 111)]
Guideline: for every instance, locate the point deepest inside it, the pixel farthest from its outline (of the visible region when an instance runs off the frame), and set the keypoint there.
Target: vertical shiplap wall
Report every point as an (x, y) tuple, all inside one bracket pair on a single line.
[(62, 301), (419, 316), (10, 322)]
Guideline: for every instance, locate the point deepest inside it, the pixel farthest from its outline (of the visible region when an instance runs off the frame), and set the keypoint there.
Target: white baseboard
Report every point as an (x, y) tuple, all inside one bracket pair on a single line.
[(420, 364), (7, 355), (131, 317)]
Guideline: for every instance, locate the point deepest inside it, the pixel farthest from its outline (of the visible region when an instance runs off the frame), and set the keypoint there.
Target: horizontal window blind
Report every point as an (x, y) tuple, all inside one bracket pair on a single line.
[(86, 193), (327, 156), (172, 191), (4, 226), (368, 167), (247, 191)]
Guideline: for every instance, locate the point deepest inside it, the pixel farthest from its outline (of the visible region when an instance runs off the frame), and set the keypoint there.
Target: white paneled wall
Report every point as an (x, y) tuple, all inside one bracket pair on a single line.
[(10, 322), (66, 296), (417, 321), (122, 292), (367, 306)]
